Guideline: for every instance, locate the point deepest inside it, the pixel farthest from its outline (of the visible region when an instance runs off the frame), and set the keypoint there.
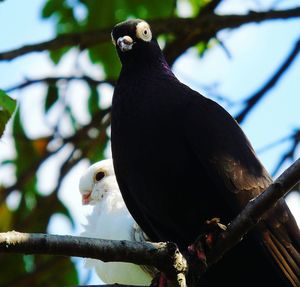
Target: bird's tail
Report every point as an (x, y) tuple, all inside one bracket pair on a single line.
[(281, 238)]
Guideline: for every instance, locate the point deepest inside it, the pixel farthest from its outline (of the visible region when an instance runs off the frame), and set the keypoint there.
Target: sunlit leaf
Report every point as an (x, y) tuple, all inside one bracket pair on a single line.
[(51, 7), (198, 5), (201, 48), (7, 103)]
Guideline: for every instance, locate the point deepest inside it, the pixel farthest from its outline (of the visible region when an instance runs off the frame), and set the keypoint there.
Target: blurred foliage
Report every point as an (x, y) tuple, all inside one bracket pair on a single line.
[(32, 210)]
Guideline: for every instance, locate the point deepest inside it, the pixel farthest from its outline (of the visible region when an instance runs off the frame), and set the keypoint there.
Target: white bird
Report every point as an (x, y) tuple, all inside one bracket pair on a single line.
[(110, 219)]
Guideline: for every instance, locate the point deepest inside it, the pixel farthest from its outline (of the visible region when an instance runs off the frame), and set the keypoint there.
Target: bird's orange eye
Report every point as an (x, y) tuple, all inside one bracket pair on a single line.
[(99, 175)]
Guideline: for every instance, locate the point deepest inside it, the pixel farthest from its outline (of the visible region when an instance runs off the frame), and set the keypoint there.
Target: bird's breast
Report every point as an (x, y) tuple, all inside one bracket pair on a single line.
[(158, 173)]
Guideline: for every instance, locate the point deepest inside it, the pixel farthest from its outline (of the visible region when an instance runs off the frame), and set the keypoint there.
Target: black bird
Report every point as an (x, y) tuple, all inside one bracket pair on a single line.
[(181, 159)]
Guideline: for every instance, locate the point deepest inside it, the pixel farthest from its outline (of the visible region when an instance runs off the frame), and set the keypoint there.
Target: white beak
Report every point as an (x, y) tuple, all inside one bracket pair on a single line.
[(125, 43)]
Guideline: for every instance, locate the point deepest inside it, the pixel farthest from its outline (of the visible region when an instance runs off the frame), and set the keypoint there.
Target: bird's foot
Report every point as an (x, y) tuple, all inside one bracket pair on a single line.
[(214, 228), (198, 250)]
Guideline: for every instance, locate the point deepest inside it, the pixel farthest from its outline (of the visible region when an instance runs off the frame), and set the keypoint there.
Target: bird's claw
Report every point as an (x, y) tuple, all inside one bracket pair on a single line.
[(211, 229)]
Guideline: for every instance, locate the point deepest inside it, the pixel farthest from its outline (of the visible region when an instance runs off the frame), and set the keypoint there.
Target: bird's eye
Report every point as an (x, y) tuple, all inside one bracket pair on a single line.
[(99, 175), (143, 31)]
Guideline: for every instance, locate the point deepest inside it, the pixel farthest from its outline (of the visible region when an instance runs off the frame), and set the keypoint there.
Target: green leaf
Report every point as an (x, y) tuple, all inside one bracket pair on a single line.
[(6, 217), (201, 48), (93, 101), (198, 5), (51, 7), (7, 107), (56, 55), (4, 117), (7, 103), (51, 97)]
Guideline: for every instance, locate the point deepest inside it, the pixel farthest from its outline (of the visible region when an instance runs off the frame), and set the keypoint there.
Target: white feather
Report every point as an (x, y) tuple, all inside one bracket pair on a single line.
[(109, 219)]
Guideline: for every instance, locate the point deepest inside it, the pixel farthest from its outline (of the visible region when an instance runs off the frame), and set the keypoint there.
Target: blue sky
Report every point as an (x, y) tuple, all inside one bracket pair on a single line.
[(256, 49)]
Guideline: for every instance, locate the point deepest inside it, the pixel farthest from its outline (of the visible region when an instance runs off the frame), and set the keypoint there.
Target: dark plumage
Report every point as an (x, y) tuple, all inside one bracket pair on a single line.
[(181, 159)]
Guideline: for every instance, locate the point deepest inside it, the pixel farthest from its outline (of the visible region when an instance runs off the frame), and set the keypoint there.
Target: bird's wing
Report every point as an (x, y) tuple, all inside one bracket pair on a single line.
[(222, 147), (224, 150)]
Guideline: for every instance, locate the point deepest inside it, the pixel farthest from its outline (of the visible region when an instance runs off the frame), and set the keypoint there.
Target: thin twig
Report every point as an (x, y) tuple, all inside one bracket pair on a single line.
[(254, 99), (210, 7), (290, 153)]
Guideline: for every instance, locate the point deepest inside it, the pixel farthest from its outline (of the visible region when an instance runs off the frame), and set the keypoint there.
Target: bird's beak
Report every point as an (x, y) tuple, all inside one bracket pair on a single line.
[(86, 197), (125, 43)]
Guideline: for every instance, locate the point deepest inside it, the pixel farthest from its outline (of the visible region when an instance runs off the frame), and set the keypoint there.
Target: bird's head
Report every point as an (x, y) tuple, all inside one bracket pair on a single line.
[(98, 180), (134, 41)]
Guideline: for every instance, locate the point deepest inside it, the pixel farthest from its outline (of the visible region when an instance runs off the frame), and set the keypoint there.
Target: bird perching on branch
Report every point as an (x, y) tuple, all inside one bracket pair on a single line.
[(110, 219), (181, 159)]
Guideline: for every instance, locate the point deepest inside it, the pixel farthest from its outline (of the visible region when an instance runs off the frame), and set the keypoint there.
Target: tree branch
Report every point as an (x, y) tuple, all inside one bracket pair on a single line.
[(199, 29), (53, 80), (290, 153), (254, 99), (83, 40), (210, 7), (193, 31), (164, 256)]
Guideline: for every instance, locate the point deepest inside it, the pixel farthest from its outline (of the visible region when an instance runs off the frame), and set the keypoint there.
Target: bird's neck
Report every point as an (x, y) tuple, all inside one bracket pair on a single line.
[(151, 64), (112, 201)]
